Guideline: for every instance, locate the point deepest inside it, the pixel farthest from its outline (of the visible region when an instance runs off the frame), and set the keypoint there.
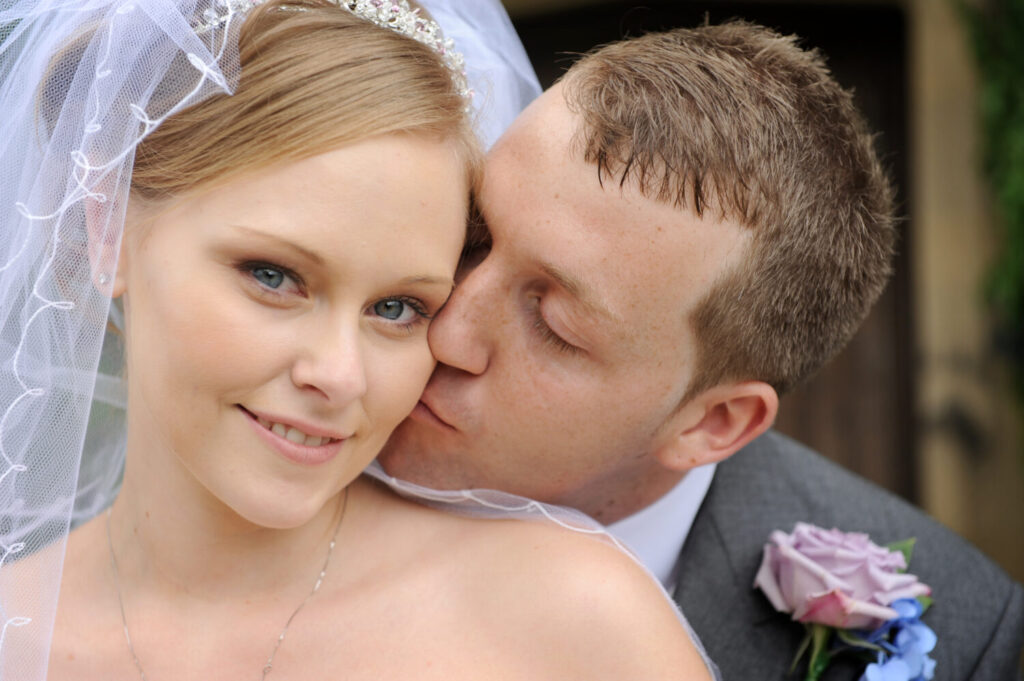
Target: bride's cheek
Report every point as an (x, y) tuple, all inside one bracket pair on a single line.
[(397, 379), (208, 332), (203, 338)]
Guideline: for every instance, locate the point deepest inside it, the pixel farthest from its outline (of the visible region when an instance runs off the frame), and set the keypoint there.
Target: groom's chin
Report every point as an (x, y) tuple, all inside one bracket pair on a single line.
[(414, 452)]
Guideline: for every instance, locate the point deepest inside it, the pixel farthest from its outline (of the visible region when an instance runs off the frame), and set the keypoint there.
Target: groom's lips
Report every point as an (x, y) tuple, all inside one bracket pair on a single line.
[(425, 412)]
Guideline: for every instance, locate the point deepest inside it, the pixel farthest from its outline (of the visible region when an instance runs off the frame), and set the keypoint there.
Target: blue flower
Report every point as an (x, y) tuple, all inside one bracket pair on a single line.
[(906, 642), (894, 669), (913, 643)]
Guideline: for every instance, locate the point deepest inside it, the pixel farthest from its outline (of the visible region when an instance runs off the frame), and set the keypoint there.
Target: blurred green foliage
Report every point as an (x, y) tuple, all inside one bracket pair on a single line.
[(996, 30)]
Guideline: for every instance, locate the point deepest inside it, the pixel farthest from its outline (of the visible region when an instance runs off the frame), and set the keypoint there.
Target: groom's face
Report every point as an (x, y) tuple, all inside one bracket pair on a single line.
[(564, 354)]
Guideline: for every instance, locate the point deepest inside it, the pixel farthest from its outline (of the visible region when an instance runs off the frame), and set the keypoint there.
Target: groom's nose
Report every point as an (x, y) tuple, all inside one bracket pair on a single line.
[(461, 334)]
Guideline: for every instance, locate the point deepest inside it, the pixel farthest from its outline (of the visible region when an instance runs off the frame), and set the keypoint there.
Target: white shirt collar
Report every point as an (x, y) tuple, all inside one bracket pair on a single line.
[(656, 533)]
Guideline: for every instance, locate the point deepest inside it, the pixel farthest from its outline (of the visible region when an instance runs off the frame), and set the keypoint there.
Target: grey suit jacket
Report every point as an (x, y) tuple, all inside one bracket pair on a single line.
[(773, 483)]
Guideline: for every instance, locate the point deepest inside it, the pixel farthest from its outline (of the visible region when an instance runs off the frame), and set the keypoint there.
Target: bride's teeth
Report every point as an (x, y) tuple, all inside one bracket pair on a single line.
[(295, 435)]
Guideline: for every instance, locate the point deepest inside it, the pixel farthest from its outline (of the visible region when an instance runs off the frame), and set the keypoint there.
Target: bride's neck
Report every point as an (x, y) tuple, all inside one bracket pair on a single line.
[(171, 533)]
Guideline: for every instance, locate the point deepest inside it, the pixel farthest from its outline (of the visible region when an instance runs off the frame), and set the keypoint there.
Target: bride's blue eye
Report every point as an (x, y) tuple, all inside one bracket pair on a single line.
[(268, 276), (401, 310), (271, 279), (390, 309)]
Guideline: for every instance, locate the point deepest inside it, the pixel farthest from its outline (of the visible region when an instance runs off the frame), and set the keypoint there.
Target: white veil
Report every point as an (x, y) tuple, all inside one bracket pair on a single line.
[(78, 90)]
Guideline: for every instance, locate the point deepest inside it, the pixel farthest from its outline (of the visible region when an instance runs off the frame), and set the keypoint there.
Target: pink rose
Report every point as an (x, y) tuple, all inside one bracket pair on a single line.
[(839, 579)]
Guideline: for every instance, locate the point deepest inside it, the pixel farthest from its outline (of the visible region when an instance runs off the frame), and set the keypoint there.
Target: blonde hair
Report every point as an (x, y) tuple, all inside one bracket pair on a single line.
[(738, 120), (314, 77)]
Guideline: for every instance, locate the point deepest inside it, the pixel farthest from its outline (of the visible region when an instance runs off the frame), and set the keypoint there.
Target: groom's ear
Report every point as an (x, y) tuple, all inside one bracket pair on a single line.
[(716, 424)]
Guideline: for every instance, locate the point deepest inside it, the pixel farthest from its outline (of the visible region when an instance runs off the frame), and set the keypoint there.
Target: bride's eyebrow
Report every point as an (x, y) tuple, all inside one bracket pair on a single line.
[(315, 258), (307, 253)]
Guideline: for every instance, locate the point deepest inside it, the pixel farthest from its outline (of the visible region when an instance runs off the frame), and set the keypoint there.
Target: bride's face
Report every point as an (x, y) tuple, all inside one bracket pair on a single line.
[(276, 325)]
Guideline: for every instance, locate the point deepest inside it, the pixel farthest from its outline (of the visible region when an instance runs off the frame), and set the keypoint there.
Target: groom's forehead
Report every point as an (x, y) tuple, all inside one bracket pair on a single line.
[(538, 168), (545, 128)]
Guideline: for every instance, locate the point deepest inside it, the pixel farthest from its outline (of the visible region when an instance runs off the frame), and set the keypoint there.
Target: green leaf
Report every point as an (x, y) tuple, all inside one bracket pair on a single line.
[(804, 645), (820, 655), (906, 547), (926, 602), (855, 641)]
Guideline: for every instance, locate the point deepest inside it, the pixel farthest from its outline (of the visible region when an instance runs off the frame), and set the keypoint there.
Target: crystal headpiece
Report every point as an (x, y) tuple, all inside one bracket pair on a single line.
[(393, 14)]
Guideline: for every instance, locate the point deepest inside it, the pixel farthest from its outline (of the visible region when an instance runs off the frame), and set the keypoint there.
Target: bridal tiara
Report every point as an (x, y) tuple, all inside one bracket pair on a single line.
[(393, 14)]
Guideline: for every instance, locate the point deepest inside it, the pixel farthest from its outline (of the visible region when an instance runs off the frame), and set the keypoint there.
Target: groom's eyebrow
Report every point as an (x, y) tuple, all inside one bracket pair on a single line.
[(578, 290)]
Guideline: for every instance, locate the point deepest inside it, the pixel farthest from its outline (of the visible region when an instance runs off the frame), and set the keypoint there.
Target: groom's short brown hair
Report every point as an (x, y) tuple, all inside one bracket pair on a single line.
[(738, 120)]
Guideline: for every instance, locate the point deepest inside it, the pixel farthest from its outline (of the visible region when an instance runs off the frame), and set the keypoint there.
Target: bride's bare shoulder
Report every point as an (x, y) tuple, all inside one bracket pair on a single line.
[(606, 615), (599, 612)]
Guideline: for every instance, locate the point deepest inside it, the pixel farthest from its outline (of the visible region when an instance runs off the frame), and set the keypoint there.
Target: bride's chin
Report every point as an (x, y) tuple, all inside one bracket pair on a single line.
[(281, 511), (283, 519)]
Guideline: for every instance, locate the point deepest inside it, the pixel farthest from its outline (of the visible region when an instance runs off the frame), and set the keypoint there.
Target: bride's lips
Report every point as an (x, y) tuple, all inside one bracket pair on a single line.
[(308, 452)]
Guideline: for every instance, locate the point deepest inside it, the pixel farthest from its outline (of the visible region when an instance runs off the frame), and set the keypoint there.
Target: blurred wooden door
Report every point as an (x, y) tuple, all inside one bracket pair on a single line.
[(858, 410)]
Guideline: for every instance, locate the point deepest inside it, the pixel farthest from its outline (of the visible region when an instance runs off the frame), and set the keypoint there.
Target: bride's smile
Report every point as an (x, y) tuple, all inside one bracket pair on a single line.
[(293, 443)]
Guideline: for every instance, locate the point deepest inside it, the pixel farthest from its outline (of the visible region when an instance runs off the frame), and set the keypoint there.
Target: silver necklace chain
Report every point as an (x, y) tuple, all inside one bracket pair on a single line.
[(280, 638)]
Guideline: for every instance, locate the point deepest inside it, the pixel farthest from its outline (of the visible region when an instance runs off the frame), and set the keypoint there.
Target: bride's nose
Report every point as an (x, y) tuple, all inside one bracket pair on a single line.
[(331, 362)]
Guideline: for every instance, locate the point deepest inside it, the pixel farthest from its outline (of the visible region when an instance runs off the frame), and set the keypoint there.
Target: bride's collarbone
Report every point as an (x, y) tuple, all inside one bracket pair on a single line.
[(371, 637)]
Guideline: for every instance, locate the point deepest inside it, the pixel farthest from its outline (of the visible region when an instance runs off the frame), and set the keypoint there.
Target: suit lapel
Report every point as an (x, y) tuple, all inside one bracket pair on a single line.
[(737, 625), (743, 634)]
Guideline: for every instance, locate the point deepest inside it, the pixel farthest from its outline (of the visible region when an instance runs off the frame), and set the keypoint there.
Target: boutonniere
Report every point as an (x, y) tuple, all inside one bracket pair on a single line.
[(854, 597)]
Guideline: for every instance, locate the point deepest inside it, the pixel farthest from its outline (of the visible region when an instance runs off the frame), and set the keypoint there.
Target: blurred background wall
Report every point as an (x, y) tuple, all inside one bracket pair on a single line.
[(918, 402)]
